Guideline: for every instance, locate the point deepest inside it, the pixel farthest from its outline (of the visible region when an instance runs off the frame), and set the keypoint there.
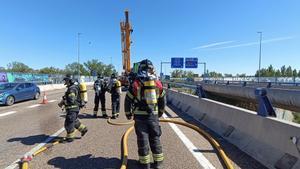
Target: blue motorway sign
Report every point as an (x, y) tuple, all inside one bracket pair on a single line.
[(176, 62), (191, 62)]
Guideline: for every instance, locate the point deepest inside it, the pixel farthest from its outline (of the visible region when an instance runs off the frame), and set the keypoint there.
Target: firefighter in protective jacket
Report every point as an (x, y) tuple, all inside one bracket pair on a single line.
[(145, 101), (72, 103), (115, 90), (100, 87)]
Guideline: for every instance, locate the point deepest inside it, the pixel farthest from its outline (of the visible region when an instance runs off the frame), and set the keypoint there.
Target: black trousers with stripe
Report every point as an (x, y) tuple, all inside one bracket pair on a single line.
[(148, 131)]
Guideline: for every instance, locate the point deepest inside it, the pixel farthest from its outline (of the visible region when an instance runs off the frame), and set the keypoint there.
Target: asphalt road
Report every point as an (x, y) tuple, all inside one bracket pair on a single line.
[(32, 123)]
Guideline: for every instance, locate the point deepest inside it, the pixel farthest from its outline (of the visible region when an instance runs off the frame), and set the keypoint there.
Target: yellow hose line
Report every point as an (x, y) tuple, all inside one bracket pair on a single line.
[(109, 121), (24, 165), (125, 148), (214, 143)]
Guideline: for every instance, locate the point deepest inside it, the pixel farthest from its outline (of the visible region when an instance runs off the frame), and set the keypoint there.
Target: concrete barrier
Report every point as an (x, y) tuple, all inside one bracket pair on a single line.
[(50, 87), (268, 140)]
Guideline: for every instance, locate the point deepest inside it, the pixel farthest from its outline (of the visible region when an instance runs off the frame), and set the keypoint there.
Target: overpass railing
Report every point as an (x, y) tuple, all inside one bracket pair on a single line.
[(284, 98)]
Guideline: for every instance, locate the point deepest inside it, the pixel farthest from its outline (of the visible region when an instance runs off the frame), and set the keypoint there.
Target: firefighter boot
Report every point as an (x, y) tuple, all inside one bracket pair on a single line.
[(157, 165), (104, 115), (95, 114), (84, 131), (144, 166)]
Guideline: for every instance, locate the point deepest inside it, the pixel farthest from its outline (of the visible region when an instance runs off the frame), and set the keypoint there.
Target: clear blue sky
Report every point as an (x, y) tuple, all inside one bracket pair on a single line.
[(43, 33)]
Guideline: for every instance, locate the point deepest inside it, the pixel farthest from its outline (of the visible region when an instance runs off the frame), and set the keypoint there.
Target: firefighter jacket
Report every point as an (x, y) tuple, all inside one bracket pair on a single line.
[(72, 98), (100, 86), (145, 98), (115, 87)]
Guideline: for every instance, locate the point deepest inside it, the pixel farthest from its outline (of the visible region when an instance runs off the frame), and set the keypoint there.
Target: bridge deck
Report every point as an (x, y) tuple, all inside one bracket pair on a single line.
[(31, 125)]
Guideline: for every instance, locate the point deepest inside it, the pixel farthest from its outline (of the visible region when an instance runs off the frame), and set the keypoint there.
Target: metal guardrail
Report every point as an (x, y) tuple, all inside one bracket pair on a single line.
[(288, 99)]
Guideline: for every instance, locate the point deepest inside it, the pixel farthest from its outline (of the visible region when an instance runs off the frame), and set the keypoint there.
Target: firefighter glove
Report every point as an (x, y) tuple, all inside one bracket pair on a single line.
[(160, 113), (61, 103)]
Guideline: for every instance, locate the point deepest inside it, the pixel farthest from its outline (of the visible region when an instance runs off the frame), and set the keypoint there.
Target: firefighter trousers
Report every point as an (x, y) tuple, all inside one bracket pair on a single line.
[(115, 104), (148, 131), (72, 122), (101, 98)]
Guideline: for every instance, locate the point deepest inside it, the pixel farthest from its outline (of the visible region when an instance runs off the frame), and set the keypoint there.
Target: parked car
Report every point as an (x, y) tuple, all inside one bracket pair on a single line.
[(15, 92)]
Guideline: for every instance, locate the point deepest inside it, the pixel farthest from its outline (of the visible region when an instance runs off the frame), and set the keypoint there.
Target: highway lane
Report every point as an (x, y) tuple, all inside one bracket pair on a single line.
[(100, 148), (31, 124)]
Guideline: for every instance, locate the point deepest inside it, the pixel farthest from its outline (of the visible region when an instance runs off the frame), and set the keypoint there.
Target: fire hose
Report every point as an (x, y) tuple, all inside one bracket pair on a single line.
[(211, 140)]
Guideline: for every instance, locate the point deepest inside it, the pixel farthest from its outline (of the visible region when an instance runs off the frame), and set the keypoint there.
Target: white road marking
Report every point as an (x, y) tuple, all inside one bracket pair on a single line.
[(51, 101), (191, 147), (35, 105), (36, 148), (7, 113)]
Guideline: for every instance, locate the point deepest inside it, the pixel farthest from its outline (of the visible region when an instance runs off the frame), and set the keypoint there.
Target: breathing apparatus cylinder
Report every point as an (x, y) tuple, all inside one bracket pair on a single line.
[(83, 92), (150, 92)]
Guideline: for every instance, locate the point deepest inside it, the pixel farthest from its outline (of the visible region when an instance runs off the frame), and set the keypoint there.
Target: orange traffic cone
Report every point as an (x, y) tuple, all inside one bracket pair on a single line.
[(45, 100)]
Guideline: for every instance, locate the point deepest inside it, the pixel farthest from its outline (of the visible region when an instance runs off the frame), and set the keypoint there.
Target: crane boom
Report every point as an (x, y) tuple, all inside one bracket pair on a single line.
[(126, 30)]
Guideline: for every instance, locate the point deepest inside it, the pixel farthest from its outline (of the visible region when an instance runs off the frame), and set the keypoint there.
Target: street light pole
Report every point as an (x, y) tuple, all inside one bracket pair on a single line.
[(259, 65), (204, 73), (161, 63), (78, 56)]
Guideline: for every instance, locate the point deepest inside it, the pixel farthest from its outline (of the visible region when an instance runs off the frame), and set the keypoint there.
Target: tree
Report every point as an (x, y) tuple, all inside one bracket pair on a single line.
[(50, 70), (283, 71), (177, 73), (270, 71), (109, 69), (295, 73), (73, 69), (299, 73), (188, 74), (289, 72), (2, 69), (215, 74), (94, 65), (19, 67), (277, 73), (227, 75)]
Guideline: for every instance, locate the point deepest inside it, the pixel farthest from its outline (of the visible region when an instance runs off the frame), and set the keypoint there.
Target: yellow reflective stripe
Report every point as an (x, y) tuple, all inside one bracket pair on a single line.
[(72, 94), (81, 127), (163, 94), (145, 159), (70, 107), (130, 95), (150, 83), (139, 112), (71, 135), (158, 157), (139, 93)]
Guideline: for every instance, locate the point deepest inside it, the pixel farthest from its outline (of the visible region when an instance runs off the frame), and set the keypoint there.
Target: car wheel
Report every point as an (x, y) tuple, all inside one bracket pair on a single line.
[(10, 100), (37, 96)]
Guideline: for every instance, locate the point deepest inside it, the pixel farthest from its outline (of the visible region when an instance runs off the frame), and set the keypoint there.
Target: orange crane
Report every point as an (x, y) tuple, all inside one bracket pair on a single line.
[(126, 31)]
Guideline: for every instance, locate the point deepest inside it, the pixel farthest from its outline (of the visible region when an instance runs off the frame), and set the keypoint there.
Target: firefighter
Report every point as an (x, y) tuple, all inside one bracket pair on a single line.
[(100, 87), (72, 103), (115, 90), (145, 101)]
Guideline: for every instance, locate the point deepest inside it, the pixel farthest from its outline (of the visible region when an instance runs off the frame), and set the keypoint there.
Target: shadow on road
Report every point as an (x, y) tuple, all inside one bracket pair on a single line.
[(31, 140), (86, 162)]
